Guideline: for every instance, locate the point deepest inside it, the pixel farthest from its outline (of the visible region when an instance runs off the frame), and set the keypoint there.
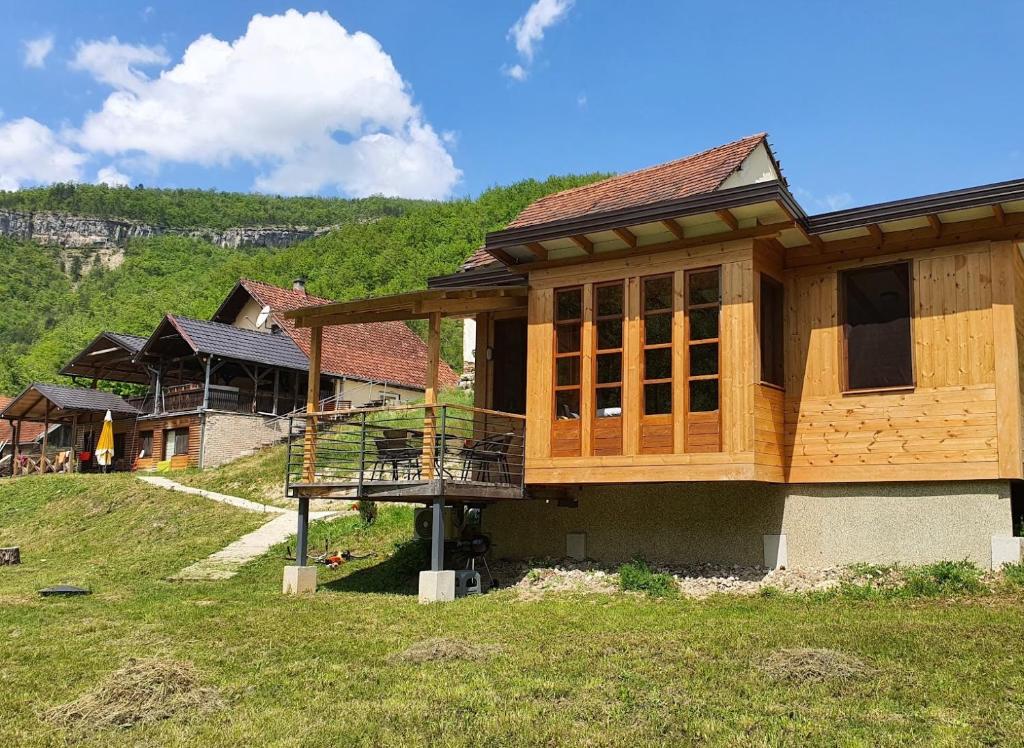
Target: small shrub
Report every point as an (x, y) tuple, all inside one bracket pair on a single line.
[(367, 511), (1013, 574), (770, 592), (638, 576), (944, 578)]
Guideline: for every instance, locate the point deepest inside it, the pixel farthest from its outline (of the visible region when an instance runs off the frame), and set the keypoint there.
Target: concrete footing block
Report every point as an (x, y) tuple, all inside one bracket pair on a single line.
[(1005, 550), (776, 554), (437, 586), (299, 580)]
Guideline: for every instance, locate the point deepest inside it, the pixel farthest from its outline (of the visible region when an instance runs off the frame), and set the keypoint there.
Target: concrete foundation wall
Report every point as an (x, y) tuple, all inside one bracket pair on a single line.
[(228, 436), (825, 525)]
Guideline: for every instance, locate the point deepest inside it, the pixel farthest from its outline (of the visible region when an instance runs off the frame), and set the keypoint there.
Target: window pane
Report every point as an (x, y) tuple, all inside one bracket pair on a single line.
[(703, 395), (877, 325), (703, 359), (568, 338), (568, 304), (771, 331), (609, 334), (657, 294), (703, 324), (608, 402), (609, 368), (704, 287), (568, 371), (657, 398), (567, 404), (609, 300), (657, 329), (658, 363)]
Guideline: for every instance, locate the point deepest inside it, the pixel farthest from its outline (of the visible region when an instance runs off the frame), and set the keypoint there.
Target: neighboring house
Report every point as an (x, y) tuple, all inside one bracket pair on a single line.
[(220, 388), (29, 440), (708, 373)]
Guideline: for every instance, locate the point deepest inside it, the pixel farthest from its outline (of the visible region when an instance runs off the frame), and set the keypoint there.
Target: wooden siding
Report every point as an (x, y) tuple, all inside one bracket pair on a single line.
[(769, 432)]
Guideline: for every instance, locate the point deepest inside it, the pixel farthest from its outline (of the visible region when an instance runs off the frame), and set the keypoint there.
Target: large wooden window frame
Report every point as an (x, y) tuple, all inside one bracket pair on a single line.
[(607, 428), (567, 412), (703, 427), (656, 428), (844, 350)]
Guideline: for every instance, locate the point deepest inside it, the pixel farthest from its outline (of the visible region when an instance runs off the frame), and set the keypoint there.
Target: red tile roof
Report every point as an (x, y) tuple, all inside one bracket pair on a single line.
[(29, 431), (692, 175), (377, 351), (478, 259)]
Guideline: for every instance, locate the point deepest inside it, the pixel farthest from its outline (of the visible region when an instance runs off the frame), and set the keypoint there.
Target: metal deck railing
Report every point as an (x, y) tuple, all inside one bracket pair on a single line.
[(412, 450)]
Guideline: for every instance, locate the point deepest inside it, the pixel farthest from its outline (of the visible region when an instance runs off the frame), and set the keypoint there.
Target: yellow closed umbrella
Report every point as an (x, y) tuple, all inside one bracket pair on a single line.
[(105, 446)]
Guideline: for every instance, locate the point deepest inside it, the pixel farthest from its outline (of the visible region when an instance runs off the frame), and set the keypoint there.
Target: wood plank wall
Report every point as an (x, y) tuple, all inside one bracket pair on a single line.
[(945, 427)]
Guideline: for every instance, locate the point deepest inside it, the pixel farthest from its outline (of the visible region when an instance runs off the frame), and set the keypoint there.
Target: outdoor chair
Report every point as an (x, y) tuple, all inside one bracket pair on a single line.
[(488, 456), (394, 451)]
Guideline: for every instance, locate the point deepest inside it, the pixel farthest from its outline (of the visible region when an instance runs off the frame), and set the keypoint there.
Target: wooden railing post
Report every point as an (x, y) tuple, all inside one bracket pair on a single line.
[(312, 403), (430, 394)]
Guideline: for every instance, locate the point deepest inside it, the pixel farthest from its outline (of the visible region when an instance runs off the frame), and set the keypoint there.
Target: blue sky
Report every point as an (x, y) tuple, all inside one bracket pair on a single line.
[(863, 102)]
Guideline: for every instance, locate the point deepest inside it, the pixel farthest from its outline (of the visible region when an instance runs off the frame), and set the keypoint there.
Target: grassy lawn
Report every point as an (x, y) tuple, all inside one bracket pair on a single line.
[(258, 477), (590, 671)]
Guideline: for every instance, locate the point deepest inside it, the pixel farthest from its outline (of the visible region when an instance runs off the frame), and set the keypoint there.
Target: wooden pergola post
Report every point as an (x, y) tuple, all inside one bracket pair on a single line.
[(46, 438), (430, 393), (15, 451), (312, 403)]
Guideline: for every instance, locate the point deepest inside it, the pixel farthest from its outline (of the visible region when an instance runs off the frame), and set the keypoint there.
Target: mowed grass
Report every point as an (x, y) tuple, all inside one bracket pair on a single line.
[(258, 477), (616, 670)]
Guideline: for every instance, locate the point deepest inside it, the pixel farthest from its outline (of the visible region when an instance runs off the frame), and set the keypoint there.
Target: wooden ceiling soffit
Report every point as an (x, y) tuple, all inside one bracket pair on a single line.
[(764, 230)]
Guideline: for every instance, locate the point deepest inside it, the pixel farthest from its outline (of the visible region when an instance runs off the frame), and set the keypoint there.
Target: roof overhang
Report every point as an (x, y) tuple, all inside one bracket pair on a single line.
[(34, 405), (763, 208), (107, 358), (456, 302)]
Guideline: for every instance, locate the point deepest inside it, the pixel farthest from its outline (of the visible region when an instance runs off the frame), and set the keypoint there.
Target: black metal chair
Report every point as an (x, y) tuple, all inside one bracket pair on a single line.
[(394, 450), (487, 455)]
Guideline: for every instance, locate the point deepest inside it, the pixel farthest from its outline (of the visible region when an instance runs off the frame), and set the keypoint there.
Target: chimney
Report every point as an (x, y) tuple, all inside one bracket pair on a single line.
[(299, 284)]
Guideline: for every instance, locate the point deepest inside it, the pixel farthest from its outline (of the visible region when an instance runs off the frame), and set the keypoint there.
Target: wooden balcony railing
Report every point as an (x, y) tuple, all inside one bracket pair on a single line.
[(407, 452), (188, 398)]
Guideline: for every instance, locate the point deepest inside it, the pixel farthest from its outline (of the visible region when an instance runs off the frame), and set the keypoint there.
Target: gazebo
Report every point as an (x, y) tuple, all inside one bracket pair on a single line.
[(49, 404)]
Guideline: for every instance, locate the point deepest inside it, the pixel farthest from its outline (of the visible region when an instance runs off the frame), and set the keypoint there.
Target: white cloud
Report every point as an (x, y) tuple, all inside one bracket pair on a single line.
[(37, 50), (117, 64), (110, 176), (515, 72), (31, 154), (827, 203), (528, 31), (581, 100), (308, 103)]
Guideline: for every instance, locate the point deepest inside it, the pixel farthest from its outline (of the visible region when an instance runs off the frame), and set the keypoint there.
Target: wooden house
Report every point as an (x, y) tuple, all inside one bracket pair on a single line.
[(705, 372), (220, 388)]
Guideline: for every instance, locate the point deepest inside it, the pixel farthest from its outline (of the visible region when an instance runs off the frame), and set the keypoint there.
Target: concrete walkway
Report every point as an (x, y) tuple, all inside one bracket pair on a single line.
[(226, 562)]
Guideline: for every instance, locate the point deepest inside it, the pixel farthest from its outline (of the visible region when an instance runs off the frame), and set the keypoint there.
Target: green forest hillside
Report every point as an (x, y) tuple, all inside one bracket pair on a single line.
[(44, 320)]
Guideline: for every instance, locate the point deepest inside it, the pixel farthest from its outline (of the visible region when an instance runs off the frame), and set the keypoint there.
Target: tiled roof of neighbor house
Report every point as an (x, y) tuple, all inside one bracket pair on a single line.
[(375, 351), (692, 175), (243, 345), (131, 343), (480, 258), (79, 398), (29, 431)]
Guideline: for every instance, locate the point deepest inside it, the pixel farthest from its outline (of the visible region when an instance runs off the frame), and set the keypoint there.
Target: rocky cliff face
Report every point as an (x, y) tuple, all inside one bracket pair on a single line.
[(83, 232)]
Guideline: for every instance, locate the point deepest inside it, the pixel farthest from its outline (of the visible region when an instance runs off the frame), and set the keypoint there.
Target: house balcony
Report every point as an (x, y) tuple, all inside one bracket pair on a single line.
[(188, 398), (407, 453)]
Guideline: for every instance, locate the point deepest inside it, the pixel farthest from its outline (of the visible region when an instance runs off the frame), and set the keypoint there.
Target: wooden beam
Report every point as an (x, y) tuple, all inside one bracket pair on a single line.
[(935, 223), (312, 404), (583, 243), (430, 393), (876, 233), (728, 219), (501, 254), (627, 236), (999, 213), (539, 250), (674, 228), (471, 306), (46, 438), (766, 230)]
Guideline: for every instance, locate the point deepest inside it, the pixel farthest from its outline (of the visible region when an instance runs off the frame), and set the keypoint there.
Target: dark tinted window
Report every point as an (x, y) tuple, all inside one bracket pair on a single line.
[(876, 323), (771, 331)]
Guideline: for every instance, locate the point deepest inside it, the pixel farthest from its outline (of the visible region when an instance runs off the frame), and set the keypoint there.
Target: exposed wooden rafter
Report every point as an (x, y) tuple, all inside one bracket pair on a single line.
[(876, 233), (999, 213), (627, 236), (538, 250), (935, 223), (583, 243), (675, 229), (728, 219)]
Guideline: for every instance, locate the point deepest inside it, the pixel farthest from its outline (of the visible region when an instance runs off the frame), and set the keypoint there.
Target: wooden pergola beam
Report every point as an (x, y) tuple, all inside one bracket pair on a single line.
[(674, 228), (627, 236), (728, 219)]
